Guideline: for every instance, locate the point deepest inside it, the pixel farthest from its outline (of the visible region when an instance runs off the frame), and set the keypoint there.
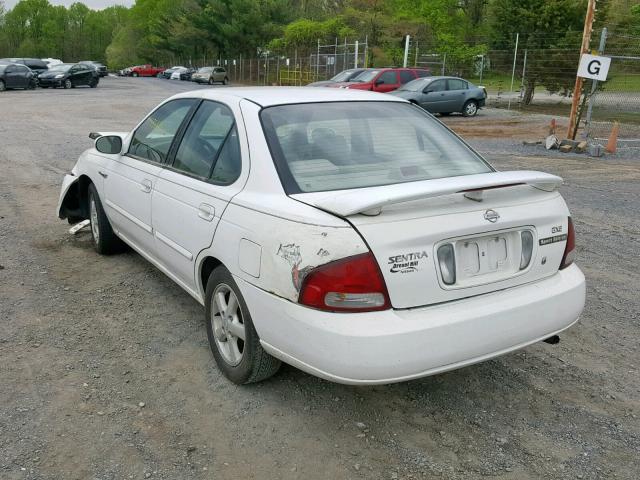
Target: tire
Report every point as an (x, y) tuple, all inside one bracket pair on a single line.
[(470, 108), (210, 81), (105, 241), (225, 81), (68, 84), (3, 87), (94, 83), (241, 361), (32, 85)]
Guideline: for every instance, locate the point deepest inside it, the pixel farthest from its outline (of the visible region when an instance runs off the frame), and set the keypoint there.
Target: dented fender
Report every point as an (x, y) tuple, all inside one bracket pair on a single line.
[(68, 180)]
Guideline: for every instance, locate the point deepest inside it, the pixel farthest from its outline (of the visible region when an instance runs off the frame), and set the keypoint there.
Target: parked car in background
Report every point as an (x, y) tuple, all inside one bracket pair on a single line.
[(144, 71), (177, 73), (52, 61), (444, 95), (344, 76), (383, 79), (186, 75), (346, 233), (69, 75), (16, 75), (210, 75), (100, 68), (169, 71), (36, 65)]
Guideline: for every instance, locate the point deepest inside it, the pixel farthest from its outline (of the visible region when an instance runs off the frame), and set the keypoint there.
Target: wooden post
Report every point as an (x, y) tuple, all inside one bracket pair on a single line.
[(577, 89)]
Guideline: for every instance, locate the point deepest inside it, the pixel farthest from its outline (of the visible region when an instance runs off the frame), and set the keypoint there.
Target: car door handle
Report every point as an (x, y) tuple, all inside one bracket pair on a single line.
[(102, 174), (145, 186), (206, 212)]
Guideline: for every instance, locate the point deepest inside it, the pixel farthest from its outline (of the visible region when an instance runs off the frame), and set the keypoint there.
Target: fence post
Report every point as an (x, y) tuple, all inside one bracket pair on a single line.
[(481, 67), (407, 39), (444, 61), (415, 61), (524, 72), (335, 57), (318, 61), (513, 71), (355, 57), (594, 85)]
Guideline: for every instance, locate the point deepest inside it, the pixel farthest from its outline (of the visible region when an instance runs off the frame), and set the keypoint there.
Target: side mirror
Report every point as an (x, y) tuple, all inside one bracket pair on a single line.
[(111, 144), (379, 82), (426, 90)]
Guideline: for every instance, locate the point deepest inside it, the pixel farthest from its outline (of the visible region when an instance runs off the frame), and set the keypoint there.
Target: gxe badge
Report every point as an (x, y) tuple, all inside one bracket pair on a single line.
[(491, 216)]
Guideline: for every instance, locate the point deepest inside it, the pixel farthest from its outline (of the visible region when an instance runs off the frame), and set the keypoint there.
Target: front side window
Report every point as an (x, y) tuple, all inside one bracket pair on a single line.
[(388, 78), (152, 140), (342, 145), (437, 86), (209, 148)]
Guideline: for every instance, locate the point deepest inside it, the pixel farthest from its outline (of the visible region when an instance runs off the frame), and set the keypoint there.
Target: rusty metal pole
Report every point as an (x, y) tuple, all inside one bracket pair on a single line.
[(577, 89)]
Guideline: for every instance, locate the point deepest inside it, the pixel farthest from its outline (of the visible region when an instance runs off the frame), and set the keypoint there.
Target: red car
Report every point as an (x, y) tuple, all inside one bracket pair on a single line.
[(145, 71), (383, 79)]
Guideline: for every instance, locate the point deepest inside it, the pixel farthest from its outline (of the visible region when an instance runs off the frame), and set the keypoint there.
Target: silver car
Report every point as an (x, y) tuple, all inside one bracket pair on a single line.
[(210, 75), (444, 95)]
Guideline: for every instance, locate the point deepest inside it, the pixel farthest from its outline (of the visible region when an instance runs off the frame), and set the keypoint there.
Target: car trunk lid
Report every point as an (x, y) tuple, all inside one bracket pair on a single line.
[(482, 217)]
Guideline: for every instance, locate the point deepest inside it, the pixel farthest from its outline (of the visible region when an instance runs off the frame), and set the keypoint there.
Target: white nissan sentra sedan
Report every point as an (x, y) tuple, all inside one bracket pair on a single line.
[(349, 234)]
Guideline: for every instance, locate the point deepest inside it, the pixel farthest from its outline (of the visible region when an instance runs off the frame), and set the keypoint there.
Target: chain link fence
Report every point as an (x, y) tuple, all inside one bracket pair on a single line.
[(523, 75)]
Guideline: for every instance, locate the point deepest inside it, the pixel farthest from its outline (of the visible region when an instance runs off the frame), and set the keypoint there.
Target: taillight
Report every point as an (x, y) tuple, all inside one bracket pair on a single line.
[(447, 262), (352, 284), (570, 248)]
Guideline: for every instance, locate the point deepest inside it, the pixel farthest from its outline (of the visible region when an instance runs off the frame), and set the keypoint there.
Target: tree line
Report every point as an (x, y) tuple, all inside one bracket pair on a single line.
[(156, 31)]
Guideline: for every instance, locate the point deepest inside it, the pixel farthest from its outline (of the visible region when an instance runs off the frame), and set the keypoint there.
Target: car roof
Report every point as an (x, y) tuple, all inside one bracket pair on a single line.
[(269, 96)]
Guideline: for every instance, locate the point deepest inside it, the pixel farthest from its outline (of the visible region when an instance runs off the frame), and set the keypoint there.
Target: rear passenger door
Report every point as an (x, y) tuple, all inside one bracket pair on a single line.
[(456, 94), (192, 193)]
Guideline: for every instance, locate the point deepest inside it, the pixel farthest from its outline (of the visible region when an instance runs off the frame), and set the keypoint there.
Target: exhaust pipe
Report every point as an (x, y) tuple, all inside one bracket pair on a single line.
[(553, 340)]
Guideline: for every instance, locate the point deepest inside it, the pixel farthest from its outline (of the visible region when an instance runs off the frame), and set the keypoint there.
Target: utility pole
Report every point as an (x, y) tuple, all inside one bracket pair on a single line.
[(577, 89)]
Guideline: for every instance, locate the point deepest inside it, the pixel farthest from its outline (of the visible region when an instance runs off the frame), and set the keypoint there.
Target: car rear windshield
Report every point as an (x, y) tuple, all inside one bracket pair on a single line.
[(320, 147)]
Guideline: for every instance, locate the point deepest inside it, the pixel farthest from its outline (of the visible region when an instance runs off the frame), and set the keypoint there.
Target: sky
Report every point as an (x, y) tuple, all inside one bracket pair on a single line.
[(95, 4)]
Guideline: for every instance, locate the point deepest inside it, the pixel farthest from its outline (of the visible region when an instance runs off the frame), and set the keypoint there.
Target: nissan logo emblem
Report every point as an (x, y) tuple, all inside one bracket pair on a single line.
[(491, 216)]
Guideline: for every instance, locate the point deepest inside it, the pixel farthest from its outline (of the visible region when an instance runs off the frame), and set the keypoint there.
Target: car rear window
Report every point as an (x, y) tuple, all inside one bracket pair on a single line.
[(342, 145)]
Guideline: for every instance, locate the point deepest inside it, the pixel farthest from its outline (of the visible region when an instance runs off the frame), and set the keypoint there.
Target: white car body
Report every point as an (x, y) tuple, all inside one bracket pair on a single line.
[(176, 73), (269, 240)]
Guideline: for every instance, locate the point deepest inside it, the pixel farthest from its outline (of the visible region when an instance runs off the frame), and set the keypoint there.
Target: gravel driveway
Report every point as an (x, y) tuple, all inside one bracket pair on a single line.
[(105, 370)]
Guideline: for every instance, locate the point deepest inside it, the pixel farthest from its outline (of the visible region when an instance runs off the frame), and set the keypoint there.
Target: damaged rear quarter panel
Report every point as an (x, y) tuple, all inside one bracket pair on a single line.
[(290, 249)]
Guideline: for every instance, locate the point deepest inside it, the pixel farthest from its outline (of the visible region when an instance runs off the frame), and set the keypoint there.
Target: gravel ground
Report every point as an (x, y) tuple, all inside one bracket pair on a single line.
[(105, 370)]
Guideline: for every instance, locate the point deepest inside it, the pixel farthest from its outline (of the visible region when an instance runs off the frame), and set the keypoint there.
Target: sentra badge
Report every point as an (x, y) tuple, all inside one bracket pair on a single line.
[(406, 263)]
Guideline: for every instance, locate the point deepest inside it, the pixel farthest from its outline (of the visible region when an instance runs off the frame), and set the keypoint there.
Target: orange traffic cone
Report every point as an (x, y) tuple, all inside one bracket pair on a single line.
[(613, 138)]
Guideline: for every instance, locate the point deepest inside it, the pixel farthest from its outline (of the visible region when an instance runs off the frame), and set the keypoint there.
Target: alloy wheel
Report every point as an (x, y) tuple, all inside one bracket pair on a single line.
[(471, 109), (227, 324)]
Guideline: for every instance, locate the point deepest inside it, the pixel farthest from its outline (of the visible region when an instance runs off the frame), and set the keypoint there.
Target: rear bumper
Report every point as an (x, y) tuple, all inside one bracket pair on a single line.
[(399, 345)]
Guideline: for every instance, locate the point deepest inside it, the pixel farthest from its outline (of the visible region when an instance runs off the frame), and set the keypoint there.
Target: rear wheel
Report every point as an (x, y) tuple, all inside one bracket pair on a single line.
[(3, 87), (233, 339), (105, 241), (68, 84), (470, 108), (225, 81), (210, 80), (94, 83)]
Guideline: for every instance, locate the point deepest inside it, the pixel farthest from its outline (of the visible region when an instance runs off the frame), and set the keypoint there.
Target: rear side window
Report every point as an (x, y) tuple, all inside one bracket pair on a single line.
[(457, 84), (209, 148), (342, 145), (153, 138), (406, 76)]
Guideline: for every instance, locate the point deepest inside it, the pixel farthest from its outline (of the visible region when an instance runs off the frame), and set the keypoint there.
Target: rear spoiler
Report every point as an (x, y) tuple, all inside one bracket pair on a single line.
[(369, 201)]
